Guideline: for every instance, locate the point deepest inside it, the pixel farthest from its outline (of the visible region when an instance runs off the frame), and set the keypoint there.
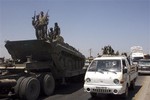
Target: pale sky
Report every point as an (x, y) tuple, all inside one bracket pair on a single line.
[(84, 24)]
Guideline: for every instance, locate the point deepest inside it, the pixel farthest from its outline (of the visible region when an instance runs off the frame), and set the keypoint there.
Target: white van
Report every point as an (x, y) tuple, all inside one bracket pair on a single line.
[(110, 75)]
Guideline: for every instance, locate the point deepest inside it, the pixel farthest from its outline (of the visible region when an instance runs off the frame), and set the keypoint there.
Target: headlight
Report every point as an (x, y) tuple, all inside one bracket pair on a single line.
[(116, 81), (87, 80)]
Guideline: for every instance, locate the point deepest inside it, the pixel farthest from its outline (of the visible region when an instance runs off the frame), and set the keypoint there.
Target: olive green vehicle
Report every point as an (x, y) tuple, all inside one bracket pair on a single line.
[(37, 66)]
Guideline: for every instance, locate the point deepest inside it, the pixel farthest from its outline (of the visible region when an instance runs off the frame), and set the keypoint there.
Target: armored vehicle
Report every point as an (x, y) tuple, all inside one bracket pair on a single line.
[(37, 65)]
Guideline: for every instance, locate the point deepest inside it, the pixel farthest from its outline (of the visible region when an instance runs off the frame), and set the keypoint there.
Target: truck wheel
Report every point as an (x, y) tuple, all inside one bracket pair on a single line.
[(29, 89), (48, 84), (16, 88), (93, 95)]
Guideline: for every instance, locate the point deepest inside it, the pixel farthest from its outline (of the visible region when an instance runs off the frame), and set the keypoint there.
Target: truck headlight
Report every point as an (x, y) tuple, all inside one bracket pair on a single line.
[(87, 80), (116, 81)]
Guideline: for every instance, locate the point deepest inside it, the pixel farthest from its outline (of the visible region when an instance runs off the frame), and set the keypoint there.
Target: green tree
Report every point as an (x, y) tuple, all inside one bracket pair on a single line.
[(117, 53), (108, 50)]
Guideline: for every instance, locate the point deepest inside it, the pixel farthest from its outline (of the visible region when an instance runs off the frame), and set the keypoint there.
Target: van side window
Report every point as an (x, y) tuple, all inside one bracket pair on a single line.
[(124, 62)]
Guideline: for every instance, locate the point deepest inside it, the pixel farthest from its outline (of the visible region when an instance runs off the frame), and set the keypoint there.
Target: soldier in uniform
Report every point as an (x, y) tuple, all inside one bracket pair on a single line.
[(35, 23), (51, 34), (56, 30), (43, 24)]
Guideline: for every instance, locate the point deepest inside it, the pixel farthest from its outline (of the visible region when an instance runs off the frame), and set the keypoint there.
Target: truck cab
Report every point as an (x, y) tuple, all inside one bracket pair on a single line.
[(135, 57), (136, 54), (144, 66), (110, 75)]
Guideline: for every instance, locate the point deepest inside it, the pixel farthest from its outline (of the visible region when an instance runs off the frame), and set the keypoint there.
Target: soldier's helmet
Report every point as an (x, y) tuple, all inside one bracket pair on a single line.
[(56, 24)]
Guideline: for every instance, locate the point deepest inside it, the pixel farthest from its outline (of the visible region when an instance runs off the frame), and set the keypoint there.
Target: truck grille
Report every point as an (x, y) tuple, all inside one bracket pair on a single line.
[(145, 68), (102, 90)]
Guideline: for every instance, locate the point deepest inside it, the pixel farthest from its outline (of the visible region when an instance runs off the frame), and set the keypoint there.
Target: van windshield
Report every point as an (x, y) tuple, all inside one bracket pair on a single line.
[(105, 65)]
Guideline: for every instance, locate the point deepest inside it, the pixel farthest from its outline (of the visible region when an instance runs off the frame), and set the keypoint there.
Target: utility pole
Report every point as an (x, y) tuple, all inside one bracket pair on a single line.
[(90, 50)]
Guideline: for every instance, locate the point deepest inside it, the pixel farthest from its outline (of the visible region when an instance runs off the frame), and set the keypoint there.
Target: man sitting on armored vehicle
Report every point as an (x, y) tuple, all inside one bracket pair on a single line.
[(50, 34), (57, 36), (56, 30), (54, 35)]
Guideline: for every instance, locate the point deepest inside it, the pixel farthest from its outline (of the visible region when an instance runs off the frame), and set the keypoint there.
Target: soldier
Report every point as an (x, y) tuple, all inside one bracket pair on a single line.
[(51, 34), (56, 30), (35, 23), (43, 23)]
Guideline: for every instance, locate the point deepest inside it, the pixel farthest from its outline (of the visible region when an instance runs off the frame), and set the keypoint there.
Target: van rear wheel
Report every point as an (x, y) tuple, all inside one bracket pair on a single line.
[(132, 86)]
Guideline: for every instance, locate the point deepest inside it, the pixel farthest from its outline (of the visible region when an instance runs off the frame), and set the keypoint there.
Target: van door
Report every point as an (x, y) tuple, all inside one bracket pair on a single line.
[(125, 71)]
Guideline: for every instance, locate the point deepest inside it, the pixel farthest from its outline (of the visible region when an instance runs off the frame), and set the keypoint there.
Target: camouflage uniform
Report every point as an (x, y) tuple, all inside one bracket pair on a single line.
[(43, 22), (56, 30), (35, 23)]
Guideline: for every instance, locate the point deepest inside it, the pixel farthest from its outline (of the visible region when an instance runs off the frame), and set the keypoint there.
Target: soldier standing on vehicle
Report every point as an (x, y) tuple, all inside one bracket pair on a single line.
[(43, 23), (56, 30), (35, 23), (51, 34)]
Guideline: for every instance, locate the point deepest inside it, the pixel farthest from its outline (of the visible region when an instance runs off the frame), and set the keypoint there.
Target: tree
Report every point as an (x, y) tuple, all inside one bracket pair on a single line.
[(108, 50), (117, 53)]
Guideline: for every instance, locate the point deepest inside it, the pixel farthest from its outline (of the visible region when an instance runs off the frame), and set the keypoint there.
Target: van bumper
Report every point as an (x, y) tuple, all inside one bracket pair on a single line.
[(116, 90)]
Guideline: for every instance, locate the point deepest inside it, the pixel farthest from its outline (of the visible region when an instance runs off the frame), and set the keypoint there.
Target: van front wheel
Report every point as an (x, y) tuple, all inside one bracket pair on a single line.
[(93, 95), (126, 94)]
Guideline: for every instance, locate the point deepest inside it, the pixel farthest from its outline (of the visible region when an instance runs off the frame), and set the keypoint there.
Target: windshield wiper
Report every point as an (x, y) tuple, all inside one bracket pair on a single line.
[(109, 71)]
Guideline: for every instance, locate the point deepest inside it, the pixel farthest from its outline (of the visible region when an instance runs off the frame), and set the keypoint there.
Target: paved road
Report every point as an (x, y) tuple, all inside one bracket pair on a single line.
[(74, 91), (144, 92)]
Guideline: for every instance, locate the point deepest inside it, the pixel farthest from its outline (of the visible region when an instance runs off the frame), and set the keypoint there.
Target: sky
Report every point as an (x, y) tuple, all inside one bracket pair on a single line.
[(84, 24)]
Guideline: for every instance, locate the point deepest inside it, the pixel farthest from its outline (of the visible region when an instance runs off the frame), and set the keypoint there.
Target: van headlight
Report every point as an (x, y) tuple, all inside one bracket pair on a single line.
[(87, 80), (116, 81)]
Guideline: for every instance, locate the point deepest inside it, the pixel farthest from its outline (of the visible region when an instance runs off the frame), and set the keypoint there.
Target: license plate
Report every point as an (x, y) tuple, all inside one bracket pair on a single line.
[(101, 88)]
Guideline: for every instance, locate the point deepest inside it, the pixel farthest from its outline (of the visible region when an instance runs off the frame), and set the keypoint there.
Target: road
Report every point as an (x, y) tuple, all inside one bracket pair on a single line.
[(74, 91)]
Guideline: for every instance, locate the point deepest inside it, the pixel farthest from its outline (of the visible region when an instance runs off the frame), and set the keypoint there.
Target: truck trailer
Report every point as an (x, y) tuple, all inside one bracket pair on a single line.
[(36, 67)]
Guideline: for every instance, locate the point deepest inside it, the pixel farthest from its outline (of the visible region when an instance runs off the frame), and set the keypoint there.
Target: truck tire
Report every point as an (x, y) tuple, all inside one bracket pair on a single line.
[(29, 89), (16, 88), (48, 85)]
